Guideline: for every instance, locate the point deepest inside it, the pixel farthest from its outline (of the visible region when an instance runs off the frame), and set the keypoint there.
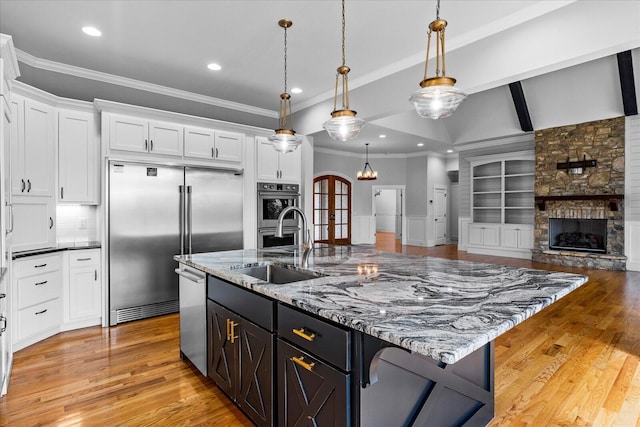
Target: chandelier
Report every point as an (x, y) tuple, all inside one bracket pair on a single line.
[(367, 174), (437, 96), (285, 139), (343, 124)]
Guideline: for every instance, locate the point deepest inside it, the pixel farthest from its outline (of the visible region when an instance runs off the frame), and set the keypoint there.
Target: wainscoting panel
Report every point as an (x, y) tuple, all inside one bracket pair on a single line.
[(632, 244), (363, 230), (416, 230), (463, 233)]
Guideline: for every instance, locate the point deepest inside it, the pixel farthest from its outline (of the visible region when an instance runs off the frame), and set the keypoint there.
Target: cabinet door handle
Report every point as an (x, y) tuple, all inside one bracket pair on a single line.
[(3, 296), (24, 186), (95, 275), (28, 185), (83, 259), (146, 145), (61, 193), (212, 153), (40, 266), (50, 223), (41, 312), (216, 153), (151, 145), (41, 283), (301, 333), (300, 361), (10, 229), (231, 333), (4, 324)]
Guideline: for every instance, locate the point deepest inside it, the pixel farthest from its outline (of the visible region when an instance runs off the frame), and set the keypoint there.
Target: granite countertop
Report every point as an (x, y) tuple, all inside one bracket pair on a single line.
[(441, 308), (59, 247)]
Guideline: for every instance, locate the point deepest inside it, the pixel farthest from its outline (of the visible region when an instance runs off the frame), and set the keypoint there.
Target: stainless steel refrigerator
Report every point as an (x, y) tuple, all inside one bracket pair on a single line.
[(156, 212)]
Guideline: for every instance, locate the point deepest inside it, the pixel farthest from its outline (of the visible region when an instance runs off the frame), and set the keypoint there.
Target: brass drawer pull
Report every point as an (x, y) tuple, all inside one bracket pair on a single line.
[(301, 333), (300, 361)]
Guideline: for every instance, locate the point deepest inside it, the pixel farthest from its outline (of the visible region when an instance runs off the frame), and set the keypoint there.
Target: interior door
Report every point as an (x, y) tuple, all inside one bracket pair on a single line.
[(440, 215), (332, 210)]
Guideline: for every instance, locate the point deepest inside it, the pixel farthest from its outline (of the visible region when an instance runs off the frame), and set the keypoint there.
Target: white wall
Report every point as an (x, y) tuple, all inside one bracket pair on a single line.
[(632, 193), (385, 210)]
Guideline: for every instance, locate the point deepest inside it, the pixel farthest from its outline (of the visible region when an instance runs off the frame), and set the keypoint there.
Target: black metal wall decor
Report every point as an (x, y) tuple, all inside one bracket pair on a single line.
[(578, 164)]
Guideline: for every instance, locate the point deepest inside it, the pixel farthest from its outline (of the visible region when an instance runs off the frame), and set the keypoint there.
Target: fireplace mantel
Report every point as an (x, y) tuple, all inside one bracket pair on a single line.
[(611, 198)]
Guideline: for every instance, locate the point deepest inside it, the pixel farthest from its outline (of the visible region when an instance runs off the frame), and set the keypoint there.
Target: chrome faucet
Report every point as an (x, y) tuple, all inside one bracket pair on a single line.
[(307, 242)]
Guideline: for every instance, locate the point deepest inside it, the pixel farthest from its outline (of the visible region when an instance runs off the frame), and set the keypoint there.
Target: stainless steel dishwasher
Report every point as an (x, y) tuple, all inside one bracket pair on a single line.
[(193, 316)]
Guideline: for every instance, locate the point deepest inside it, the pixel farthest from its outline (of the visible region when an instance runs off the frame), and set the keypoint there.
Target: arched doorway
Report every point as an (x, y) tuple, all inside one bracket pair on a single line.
[(332, 210)]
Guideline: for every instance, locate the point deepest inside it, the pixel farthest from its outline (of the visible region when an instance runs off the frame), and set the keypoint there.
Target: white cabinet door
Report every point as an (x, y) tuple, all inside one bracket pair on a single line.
[(484, 235), (275, 166), (34, 225), (199, 143), (84, 285), (525, 238), (509, 237), (228, 146), (491, 236), (266, 160), (289, 166), (77, 158), (33, 149), (517, 236), (128, 134), (165, 138), (475, 235)]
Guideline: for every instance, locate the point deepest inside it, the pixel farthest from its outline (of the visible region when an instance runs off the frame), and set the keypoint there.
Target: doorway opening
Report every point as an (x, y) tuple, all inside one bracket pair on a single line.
[(332, 210), (388, 207)]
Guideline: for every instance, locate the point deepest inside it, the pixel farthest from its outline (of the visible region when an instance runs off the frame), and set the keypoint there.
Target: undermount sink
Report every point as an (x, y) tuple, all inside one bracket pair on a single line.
[(278, 275)]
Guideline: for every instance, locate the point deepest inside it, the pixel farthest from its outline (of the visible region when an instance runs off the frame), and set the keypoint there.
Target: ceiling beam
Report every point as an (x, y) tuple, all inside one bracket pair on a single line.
[(520, 103), (627, 85)]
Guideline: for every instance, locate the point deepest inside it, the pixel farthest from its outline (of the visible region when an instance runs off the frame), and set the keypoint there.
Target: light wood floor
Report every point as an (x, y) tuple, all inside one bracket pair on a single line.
[(574, 364)]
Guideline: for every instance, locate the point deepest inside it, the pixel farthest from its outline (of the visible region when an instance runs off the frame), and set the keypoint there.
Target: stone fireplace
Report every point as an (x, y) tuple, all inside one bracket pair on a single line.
[(587, 201)]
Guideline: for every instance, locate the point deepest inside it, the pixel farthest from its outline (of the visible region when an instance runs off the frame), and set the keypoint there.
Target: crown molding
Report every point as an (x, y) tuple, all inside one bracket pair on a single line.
[(57, 67), (486, 143), (8, 55)]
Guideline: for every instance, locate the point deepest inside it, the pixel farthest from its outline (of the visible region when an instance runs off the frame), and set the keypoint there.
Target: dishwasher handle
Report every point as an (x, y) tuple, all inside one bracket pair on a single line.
[(190, 276)]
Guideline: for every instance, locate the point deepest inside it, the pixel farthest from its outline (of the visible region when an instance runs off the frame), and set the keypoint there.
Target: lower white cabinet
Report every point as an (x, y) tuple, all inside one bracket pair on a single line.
[(34, 225), (83, 289), (37, 298), (508, 240)]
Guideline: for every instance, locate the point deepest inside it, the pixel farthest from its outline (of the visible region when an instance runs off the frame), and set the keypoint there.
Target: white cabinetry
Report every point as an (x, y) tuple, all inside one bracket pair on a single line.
[(502, 205), (210, 144), (34, 225), (37, 302), (144, 136), (32, 148), (77, 157), (275, 166), (83, 289)]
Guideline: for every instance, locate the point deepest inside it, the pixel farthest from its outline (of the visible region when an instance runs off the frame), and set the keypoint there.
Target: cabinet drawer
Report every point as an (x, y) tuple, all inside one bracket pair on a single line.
[(38, 318), (327, 341), (38, 265), (37, 289), (84, 257), (256, 308)]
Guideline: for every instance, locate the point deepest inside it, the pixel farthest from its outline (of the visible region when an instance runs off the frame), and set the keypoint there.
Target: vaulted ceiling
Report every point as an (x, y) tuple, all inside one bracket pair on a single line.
[(154, 53)]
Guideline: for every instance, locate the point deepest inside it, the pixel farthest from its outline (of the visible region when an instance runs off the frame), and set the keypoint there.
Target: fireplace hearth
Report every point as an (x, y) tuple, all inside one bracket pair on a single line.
[(579, 235)]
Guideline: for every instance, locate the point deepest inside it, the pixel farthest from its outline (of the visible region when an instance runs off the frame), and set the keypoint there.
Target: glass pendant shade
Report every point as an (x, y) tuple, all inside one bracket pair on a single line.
[(437, 96), (367, 174), (437, 100), (284, 139)]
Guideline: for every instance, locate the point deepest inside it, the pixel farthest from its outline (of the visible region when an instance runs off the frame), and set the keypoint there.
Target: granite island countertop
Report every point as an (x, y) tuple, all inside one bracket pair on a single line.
[(444, 309)]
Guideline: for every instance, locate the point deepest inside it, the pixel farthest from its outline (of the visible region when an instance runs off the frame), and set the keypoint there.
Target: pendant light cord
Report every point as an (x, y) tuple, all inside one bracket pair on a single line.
[(343, 25), (438, 10), (285, 59)]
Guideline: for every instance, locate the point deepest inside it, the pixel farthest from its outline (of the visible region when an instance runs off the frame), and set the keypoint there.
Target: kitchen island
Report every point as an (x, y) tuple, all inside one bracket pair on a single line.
[(418, 332)]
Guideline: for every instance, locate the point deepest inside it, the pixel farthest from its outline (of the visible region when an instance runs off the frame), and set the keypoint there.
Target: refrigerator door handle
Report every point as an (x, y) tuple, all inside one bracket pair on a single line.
[(181, 218), (189, 220)]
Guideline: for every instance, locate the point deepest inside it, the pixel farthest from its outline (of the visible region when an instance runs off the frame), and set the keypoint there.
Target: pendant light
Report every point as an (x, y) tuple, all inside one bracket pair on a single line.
[(437, 96), (343, 125), (285, 139), (367, 174)]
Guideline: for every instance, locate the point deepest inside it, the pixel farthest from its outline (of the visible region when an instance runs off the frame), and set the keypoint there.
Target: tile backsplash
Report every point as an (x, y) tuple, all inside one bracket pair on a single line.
[(77, 224)]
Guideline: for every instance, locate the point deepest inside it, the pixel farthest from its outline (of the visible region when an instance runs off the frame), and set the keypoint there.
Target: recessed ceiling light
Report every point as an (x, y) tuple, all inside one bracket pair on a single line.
[(214, 67), (420, 144), (296, 90), (382, 136), (449, 151), (92, 31)]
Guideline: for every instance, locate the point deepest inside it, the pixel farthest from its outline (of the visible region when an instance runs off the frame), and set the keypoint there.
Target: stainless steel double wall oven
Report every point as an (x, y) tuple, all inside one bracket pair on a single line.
[(273, 198)]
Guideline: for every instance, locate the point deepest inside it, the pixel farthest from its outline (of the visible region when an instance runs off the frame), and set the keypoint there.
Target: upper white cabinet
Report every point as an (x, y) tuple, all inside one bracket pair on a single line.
[(275, 166), (210, 144), (77, 157), (32, 148), (144, 136)]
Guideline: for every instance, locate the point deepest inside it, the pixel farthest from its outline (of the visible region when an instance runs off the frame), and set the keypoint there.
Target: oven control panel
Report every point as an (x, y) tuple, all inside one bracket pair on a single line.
[(275, 187)]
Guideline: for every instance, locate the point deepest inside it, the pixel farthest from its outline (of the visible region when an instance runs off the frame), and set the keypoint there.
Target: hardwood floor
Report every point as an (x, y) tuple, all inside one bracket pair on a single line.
[(577, 363)]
